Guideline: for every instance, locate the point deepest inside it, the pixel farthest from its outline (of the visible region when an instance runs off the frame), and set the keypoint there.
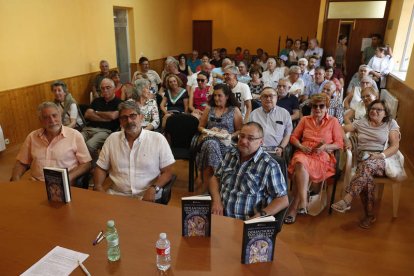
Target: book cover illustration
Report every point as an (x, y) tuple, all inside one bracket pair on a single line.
[(258, 240), (196, 216), (57, 184)]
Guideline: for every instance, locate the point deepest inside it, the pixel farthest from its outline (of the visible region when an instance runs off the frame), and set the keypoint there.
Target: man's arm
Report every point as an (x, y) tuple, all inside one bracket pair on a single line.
[(248, 106), (160, 181), (295, 115), (101, 116), (99, 177), (275, 206), (78, 171), (217, 206), (18, 170)]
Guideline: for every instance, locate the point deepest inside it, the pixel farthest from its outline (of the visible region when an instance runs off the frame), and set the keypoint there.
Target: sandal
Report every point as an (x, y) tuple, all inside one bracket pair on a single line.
[(302, 211), (341, 206), (367, 222), (290, 219)]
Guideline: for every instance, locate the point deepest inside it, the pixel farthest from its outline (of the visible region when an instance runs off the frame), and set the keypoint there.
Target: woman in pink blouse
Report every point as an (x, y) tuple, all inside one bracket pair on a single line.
[(315, 137)]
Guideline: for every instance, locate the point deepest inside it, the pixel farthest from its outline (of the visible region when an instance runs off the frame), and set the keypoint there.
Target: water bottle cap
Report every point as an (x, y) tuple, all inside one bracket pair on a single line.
[(110, 223), (163, 236)]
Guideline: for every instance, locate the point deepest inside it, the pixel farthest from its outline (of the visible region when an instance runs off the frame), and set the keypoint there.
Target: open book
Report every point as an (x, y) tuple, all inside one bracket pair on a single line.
[(196, 216)]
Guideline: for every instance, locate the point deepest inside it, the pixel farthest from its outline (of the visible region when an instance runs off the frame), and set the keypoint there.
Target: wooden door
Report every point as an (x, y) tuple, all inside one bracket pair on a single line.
[(203, 36)]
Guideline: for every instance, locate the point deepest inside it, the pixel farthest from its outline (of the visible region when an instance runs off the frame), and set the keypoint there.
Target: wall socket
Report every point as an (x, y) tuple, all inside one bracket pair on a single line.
[(6, 141)]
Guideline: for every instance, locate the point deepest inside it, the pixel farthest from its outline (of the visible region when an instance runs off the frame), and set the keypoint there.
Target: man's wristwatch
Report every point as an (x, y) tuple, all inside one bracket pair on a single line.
[(263, 213), (157, 188)]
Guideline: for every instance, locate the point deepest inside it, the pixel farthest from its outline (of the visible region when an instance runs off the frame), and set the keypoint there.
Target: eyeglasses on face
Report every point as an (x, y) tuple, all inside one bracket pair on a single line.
[(131, 116), (320, 106), (248, 137), (377, 109), (271, 96), (201, 80)]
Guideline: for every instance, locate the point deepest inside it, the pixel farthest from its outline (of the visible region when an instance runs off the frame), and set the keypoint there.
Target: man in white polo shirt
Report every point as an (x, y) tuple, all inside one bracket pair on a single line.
[(139, 161), (240, 90)]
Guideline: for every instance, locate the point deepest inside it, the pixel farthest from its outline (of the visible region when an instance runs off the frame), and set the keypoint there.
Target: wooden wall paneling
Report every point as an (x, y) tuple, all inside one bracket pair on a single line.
[(405, 98)]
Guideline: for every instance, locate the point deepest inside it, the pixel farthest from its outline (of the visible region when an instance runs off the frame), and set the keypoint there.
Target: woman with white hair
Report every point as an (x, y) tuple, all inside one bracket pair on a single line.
[(147, 105), (297, 84)]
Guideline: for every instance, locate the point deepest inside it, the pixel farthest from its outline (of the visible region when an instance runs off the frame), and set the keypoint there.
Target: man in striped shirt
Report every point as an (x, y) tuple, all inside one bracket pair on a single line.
[(248, 183)]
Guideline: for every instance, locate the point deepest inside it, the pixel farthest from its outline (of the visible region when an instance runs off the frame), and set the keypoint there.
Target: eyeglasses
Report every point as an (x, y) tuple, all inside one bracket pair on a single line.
[(131, 116), (268, 96), (214, 119), (201, 80), (249, 138), (377, 109), (321, 106)]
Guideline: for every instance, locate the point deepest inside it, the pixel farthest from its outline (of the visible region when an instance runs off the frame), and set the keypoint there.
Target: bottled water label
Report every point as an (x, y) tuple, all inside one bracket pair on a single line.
[(163, 251), (112, 242)]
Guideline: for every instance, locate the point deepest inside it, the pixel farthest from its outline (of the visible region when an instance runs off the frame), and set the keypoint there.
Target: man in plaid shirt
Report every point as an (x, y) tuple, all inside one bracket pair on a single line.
[(248, 183)]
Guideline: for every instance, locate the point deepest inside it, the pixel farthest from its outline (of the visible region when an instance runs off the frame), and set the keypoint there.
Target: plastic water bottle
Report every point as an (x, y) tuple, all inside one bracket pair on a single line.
[(112, 238), (163, 253)]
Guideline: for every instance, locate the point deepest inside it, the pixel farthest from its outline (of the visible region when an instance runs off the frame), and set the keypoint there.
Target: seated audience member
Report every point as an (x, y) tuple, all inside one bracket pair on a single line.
[(192, 80), (221, 117), (381, 65), (243, 75), (304, 74), (304, 46), (104, 73), (183, 67), (147, 105), (295, 53), (248, 183), (240, 90), (53, 145), (247, 59), (255, 64), (297, 85), (175, 99), (340, 53), (223, 53), (315, 137), (368, 95), (139, 162), (330, 77), (373, 133), (102, 118), (288, 48), (310, 69), (314, 51), (354, 96), (256, 86), (153, 76), (198, 95), (259, 52), (369, 52), (281, 66), (172, 68), (287, 100), (276, 123), (316, 86), (119, 86), (363, 71), (216, 60), (263, 61), (336, 71), (335, 108), (68, 108), (194, 61), (205, 59), (218, 72), (271, 76), (238, 55)]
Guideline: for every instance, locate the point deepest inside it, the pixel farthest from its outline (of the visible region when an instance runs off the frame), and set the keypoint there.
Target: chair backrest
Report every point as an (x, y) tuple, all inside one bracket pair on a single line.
[(166, 191), (180, 129)]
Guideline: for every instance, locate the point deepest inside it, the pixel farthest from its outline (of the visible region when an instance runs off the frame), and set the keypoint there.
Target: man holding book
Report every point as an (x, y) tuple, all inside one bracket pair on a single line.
[(248, 183), (139, 162), (53, 145)]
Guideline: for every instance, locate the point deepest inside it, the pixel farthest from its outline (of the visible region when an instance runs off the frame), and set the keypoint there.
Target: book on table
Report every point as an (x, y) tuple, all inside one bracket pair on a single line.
[(57, 184), (259, 235), (196, 216)]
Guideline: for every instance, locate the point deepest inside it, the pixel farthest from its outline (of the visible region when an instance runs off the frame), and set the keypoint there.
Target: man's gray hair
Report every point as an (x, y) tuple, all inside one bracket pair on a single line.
[(304, 60), (294, 69), (171, 60), (332, 85), (45, 105), (128, 105), (140, 84), (233, 69), (364, 66), (110, 80)]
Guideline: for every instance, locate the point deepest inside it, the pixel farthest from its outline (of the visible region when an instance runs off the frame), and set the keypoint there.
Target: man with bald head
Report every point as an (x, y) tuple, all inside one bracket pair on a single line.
[(102, 117), (271, 76), (96, 87)]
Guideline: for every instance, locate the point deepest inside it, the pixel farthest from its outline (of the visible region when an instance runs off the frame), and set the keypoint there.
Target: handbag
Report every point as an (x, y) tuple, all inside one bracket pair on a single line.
[(317, 202), (394, 167)]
